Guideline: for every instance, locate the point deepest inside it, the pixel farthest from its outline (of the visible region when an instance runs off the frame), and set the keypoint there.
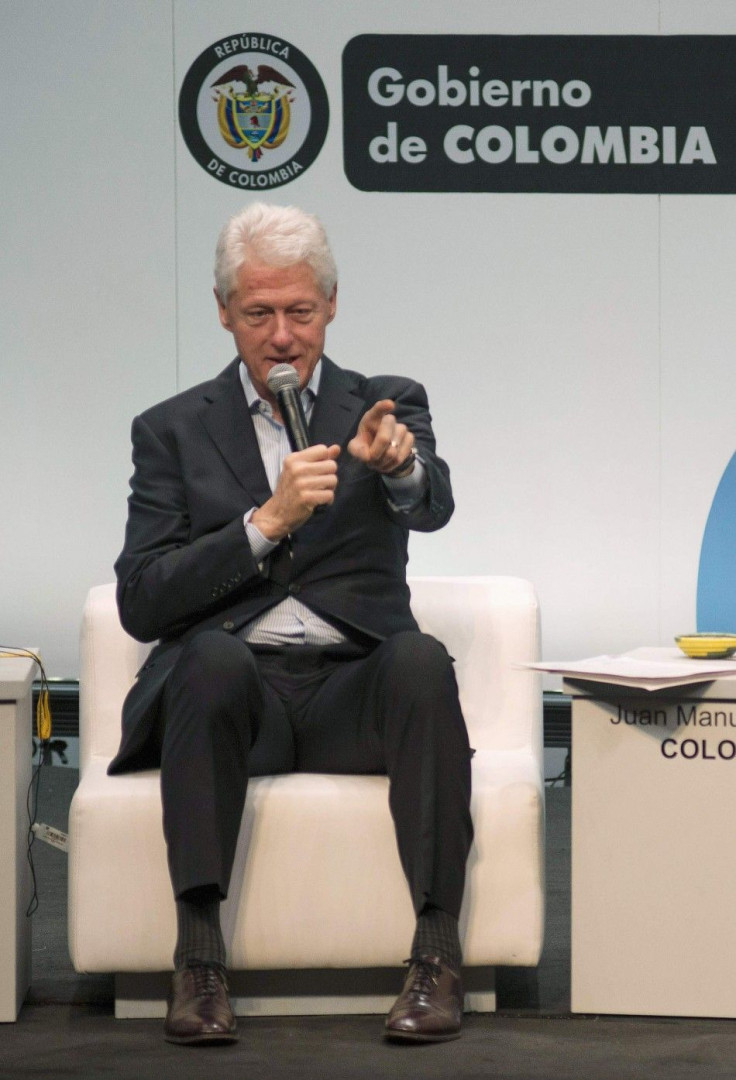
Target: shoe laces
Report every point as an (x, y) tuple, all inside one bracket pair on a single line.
[(426, 974), (207, 980)]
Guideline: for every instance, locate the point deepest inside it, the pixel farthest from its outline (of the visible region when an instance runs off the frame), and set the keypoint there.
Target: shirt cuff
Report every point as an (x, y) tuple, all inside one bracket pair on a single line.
[(406, 491), (260, 546)]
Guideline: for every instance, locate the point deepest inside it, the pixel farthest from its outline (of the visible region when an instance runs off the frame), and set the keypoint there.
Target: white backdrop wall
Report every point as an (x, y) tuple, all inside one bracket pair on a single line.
[(597, 331)]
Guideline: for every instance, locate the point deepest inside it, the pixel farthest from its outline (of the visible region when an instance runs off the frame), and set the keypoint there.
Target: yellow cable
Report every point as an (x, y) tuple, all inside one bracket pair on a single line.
[(43, 716), (43, 707)]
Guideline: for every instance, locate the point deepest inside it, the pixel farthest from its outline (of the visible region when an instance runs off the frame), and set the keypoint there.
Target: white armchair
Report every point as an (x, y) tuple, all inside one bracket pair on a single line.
[(299, 899)]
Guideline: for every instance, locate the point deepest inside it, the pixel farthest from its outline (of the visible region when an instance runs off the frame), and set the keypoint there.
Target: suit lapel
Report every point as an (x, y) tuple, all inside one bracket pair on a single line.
[(337, 408), (230, 426)]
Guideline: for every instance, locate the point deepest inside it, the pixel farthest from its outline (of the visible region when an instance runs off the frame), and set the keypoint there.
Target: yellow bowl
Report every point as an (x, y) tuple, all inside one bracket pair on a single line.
[(707, 646)]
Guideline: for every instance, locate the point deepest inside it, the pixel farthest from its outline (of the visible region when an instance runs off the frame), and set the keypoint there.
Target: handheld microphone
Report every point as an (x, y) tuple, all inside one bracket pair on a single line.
[(283, 382)]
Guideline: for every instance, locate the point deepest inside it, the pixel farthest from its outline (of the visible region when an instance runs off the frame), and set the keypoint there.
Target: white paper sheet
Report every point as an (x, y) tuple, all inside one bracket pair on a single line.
[(645, 669)]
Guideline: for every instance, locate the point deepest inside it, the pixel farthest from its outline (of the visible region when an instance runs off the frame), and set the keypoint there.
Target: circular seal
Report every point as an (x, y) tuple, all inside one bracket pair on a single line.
[(253, 111)]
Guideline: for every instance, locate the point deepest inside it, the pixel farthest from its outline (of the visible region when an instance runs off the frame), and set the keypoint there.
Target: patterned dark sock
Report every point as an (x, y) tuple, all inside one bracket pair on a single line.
[(199, 937), (437, 935)]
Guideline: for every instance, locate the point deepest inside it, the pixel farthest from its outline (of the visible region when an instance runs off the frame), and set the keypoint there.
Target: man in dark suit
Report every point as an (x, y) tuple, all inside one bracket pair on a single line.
[(275, 584)]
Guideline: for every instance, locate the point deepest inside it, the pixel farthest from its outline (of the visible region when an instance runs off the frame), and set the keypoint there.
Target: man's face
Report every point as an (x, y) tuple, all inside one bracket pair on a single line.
[(277, 315)]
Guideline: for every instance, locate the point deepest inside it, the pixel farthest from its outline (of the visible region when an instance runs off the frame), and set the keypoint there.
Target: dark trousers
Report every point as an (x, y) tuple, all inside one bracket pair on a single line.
[(231, 711)]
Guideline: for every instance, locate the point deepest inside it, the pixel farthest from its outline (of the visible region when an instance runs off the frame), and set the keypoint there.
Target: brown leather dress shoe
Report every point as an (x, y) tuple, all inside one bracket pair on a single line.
[(430, 1007), (199, 1010)]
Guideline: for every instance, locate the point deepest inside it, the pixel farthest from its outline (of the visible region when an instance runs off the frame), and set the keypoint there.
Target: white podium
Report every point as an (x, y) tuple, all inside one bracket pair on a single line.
[(654, 850), (16, 693)]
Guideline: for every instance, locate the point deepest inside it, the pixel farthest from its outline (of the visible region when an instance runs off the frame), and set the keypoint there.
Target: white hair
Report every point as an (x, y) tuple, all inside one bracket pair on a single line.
[(276, 236)]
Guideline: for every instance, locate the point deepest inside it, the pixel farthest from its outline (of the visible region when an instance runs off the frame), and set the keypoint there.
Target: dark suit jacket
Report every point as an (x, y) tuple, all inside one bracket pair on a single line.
[(187, 566)]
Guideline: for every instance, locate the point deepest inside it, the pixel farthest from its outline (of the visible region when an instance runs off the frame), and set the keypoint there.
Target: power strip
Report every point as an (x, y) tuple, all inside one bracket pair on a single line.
[(50, 835)]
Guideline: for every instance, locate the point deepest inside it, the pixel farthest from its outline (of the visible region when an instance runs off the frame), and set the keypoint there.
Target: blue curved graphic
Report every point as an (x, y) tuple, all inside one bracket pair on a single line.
[(716, 603)]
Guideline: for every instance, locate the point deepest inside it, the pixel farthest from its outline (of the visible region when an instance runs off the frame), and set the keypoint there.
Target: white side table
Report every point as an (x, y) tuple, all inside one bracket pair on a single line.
[(16, 692), (654, 850)]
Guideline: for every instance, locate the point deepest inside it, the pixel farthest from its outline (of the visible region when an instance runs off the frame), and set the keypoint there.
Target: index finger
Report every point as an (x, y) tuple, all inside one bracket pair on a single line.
[(316, 452), (376, 413)]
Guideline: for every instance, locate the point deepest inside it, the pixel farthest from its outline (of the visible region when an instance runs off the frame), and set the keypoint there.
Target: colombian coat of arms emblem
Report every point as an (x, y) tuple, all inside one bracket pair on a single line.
[(248, 119), (253, 111)]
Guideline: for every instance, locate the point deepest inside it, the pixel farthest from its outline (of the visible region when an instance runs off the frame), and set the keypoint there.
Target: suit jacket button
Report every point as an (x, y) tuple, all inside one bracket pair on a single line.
[(294, 589), (228, 625)]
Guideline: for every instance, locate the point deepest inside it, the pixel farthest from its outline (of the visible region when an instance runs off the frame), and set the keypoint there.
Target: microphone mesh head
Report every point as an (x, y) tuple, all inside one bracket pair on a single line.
[(282, 377)]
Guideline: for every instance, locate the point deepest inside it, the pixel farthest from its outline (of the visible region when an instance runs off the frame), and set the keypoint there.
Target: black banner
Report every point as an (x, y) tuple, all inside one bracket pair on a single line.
[(549, 114)]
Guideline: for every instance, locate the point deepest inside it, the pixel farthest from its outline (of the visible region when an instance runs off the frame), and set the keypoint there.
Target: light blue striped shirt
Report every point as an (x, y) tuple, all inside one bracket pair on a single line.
[(291, 622)]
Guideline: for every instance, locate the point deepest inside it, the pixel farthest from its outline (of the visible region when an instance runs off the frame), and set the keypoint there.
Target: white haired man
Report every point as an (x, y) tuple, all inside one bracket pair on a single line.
[(285, 637)]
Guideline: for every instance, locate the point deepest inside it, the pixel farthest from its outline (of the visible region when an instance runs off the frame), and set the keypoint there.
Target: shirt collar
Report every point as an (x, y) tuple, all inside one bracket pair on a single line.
[(252, 397)]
